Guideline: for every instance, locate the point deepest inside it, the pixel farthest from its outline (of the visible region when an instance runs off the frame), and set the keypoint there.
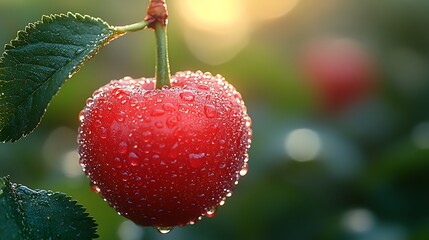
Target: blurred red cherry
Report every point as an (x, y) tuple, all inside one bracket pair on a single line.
[(340, 71)]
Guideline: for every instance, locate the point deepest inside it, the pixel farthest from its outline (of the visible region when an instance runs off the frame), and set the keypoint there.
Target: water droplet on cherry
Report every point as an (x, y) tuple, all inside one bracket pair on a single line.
[(123, 147), (81, 116), (157, 112), (196, 159), (203, 87), (94, 187), (134, 159), (187, 96), (120, 117), (103, 132), (159, 124), (244, 170), (210, 111), (164, 230), (119, 93), (246, 157), (147, 135), (211, 213), (169, 107), (172, 121)]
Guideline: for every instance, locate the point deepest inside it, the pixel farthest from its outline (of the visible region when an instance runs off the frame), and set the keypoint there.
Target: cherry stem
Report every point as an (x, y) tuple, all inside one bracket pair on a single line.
[(157, 15), (156, 19), (162, 68)]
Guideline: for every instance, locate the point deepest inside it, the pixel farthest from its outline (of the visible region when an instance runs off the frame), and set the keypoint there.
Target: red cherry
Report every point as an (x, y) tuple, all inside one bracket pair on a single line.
[(165, 157), (341, 71)]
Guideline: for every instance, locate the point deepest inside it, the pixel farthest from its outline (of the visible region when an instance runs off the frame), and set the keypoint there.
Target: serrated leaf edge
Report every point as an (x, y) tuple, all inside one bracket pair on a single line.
[(50, 18), (5, 182)]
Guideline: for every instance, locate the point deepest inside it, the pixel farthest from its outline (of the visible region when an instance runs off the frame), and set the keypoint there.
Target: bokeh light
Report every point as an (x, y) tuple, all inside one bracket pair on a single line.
[(303, 144), (420, 135), (130, 231), (70, 165), (359, 220)]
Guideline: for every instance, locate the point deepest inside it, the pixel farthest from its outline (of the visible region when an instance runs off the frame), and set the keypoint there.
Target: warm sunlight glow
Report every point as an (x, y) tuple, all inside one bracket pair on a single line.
[(269, 9), (214, 48), (212, 15)]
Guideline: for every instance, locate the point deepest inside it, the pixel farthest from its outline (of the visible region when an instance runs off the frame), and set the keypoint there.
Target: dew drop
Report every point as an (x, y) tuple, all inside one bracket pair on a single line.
[(244, 170), (147, 135), (222, 202), (103, 132), (222, 166), (120, 116), (147, 119), (212, 212), (169, 107), (191, 222), (118, 163), (119, 93), (229, 194), (187, 96), (210, 111), (134, 159), (173, 150), (123, 147), (207, 75), (157, 112), (196, 159), (94, 188), (246, 157), (164, 230), (183, 108), (172, 121), (203, 87), (81, 116), (133, 102), (89, 102), (83, 166), (159, 124), (248, 122), (97, 123)]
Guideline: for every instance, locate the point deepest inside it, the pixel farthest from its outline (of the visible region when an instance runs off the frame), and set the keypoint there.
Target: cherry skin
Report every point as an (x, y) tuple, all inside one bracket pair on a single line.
[(165, 157)]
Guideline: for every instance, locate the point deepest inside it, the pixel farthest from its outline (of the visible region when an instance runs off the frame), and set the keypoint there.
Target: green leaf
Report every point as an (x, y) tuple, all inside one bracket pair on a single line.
[(40, 214), (36, 64)]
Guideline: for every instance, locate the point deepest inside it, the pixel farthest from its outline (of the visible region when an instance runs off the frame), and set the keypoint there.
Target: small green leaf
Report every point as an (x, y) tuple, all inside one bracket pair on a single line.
[(40, 214), (36, 64)]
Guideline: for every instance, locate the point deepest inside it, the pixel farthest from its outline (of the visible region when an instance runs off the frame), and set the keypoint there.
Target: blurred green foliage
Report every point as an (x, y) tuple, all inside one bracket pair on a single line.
[(368, 180)]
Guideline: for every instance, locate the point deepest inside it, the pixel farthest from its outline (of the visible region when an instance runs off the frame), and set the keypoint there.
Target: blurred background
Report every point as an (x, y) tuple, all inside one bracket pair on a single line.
[(338, 92)]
